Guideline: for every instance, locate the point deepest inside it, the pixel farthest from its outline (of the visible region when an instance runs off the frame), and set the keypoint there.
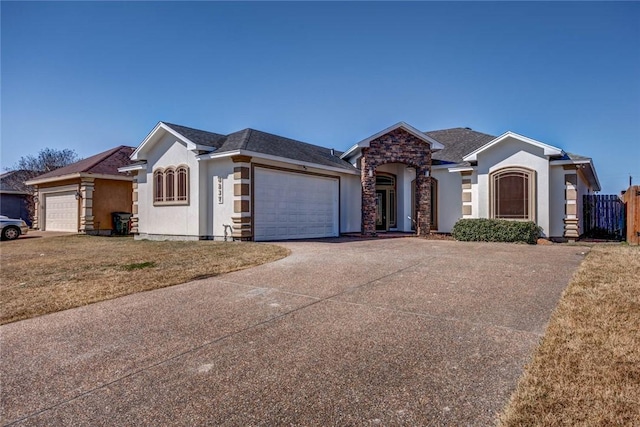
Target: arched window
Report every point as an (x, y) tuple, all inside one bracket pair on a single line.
[(513, 194), (183, 188), (171, 186), (158, 184)]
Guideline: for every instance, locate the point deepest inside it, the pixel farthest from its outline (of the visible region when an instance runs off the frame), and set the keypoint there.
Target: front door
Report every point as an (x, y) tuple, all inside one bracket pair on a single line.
[(381, 210)]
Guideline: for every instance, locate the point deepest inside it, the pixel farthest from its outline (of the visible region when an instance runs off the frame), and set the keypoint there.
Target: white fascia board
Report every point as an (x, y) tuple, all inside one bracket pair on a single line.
[(437, 167), (549, 150), (350, 151), (462, 169), (131, 168), (569, 162), (37, 181), (136, 153), (79, 175), (581, 163), (153, 137), (435, 145), (276, 159)]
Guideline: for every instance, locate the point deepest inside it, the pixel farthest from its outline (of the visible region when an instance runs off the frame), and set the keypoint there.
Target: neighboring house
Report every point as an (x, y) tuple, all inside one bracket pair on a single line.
[(82, 196), (192, 184), (16, 200)]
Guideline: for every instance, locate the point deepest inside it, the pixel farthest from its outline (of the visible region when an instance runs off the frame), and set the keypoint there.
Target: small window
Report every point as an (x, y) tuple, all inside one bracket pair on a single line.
[(171, 186), (182, 183), (512, 194), (158, 181), (170, 180)]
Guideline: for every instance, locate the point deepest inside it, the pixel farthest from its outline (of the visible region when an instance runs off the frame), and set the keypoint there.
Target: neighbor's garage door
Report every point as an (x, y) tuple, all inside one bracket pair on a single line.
[(289, 205), (61, 212)]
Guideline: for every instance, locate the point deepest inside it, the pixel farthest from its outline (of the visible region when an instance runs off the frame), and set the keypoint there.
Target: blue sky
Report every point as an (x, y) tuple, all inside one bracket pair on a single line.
[(93, 75)]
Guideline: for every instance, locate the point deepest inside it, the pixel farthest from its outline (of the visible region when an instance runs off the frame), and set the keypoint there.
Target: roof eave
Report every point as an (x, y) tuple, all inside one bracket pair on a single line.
[(365, 143), (133, 168), (549, 150), (462, 168), (582, 164), (78, 175), (224, 154), (151, 138)]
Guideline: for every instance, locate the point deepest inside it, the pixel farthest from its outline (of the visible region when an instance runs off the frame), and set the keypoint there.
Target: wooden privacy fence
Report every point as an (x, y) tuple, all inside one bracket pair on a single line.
[(604, 217), (631, 199)]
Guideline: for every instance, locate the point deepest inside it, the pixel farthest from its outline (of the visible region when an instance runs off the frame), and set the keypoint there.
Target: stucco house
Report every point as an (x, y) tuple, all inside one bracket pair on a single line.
[(193, 184), (16, 200), (82, 196)]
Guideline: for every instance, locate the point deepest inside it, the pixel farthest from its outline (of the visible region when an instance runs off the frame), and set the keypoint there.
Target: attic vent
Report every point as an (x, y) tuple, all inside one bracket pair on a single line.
[(468, 128), (333, 153)]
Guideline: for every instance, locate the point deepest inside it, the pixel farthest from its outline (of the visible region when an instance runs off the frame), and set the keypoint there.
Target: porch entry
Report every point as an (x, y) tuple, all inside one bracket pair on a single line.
[(386, 202)]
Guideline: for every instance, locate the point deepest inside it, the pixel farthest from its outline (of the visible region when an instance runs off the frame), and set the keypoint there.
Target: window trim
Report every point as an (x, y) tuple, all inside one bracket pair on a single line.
[(171, 179), (530, 174)]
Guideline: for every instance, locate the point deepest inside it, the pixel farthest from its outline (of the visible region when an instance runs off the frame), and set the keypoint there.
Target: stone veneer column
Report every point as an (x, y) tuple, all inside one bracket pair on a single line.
[(134, 207), (571, 225), (368, 181), (36, 209), (397, 146), (241, 218), (423, 200), (86, 205), (467, 195)]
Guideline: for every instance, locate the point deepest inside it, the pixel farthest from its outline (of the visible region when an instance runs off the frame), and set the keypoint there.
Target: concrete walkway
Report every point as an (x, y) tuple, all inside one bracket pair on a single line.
[(342, 332)]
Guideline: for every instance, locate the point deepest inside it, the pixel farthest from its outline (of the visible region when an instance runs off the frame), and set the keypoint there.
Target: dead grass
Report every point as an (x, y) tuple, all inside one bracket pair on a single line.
[(586, 371), (45, 275)]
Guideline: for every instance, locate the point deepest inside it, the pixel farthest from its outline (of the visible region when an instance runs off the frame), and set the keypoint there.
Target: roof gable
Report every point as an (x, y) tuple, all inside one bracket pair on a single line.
[(194, 139), (105, 163), (435, 145), (548, 150)]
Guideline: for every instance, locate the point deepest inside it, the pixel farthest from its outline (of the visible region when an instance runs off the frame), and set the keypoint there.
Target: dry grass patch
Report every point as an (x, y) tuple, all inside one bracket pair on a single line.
[(586, 370), (46, 275)]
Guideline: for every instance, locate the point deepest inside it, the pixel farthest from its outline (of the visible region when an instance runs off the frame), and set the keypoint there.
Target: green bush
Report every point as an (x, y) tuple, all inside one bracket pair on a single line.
[(496, 230)]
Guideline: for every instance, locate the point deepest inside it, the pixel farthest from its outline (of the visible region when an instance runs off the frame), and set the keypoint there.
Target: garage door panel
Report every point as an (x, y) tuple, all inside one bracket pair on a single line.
[(290, 205), (61, 212)]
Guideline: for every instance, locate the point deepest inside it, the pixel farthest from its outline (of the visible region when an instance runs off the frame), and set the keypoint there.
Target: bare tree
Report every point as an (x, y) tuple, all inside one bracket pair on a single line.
[(29, 167)]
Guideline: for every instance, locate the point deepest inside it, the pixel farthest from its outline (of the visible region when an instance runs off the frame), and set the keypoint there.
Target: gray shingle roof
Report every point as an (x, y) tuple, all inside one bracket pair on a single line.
[(458, 142), (266, 143), (198, 136)]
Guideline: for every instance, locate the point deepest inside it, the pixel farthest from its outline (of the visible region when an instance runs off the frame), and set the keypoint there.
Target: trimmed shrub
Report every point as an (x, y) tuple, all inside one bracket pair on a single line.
[(496, 230)]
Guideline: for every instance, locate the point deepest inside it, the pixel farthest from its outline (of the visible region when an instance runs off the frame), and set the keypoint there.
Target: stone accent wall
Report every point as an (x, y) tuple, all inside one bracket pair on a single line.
[(86, 206), (134, 208), (571, 224), (241, 218), (467, 196), (397, 146), (35, 224)]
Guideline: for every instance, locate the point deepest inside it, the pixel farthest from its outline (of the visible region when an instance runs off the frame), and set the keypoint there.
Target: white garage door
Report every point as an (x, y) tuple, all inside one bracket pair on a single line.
[(61, 212), (294, 206)]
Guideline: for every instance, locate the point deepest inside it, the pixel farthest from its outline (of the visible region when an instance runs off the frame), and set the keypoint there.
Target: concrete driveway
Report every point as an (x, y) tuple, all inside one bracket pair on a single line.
[(342, 332)]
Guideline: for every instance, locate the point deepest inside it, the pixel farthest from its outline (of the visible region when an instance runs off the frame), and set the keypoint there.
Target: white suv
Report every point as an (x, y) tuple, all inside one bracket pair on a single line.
[(12, 228)]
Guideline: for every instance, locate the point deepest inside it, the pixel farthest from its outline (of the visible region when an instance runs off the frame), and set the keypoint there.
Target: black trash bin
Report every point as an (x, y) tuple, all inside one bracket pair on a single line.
[(121, 222)]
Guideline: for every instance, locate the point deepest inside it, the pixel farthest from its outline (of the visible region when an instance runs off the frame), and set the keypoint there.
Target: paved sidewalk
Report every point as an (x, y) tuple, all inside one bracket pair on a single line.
[(342, 332)]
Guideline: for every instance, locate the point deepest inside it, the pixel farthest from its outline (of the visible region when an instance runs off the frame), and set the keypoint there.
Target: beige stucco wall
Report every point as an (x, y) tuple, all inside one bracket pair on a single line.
[(515, 153), (171, 220), (110, 196)]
